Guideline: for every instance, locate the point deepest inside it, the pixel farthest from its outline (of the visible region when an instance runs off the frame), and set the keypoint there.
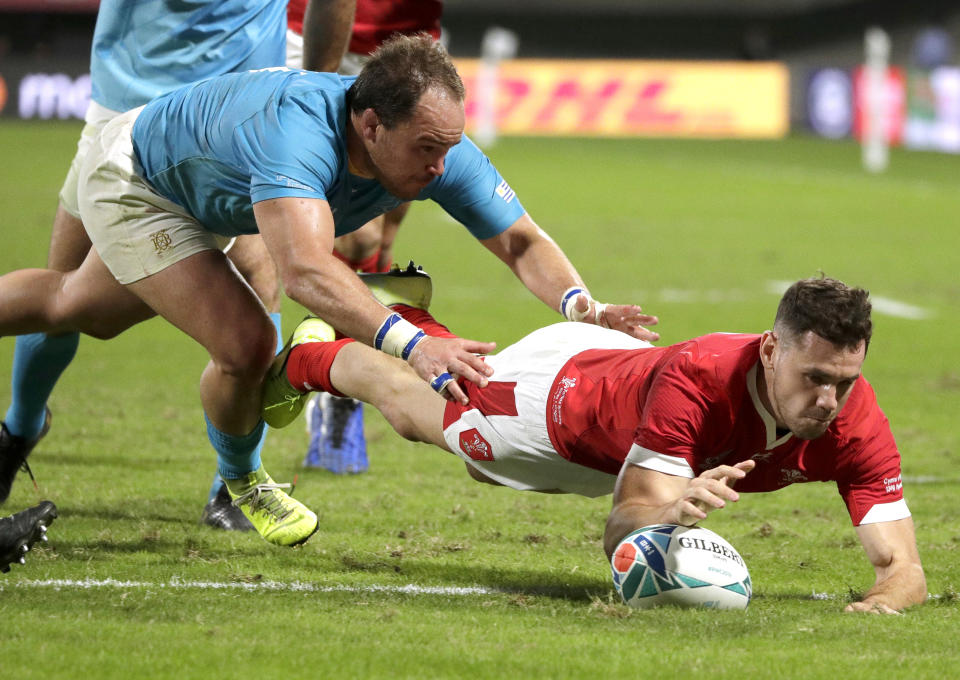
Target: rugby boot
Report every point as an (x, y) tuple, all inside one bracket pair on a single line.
[(279, 518), (19, 532), (409, 286), (13, 455), (221, 513), (281, 402), (337, 442)]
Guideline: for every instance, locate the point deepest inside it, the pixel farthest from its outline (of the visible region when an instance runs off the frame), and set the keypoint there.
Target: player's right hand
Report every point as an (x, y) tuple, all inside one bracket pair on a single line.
[(629, 319), (432, 357), (710, 491)]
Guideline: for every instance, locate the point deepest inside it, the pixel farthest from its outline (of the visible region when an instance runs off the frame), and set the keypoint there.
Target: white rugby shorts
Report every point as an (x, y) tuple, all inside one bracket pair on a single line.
[(350, 64), (294, 49), (505, 436), (136, 231), (96, 117)]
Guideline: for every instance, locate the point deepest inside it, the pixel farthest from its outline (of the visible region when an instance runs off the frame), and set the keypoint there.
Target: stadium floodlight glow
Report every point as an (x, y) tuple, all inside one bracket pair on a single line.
[(498, 44), (876, 153)]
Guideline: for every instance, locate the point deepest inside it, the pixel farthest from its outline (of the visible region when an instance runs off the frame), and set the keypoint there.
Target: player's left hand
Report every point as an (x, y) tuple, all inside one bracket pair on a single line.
[(870, 608), (628, 319)]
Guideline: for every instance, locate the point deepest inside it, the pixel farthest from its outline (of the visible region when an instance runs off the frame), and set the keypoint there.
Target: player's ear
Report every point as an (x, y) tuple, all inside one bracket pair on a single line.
[(369, 122), (769, 343)]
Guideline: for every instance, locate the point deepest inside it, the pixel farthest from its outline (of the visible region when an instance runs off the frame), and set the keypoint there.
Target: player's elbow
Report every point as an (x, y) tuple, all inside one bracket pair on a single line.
[(918, 583), (617, 527)]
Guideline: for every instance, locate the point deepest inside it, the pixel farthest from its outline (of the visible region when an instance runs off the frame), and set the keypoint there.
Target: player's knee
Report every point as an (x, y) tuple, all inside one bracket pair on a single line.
[(400, 421), (102, 329), (246, 354), (362, 243)]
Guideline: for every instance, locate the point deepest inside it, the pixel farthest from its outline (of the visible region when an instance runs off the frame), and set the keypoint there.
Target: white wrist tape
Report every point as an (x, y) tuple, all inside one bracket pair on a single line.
[(568, 303), (568, 307), (600, 308), (397, 336)]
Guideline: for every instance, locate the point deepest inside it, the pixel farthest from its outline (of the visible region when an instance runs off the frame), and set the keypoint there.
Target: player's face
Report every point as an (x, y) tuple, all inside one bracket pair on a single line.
[(808, 381), (406, 158)]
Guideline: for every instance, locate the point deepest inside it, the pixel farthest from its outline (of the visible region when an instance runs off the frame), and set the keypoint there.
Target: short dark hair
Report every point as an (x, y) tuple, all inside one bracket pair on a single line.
[(397, 75), (831, 309)]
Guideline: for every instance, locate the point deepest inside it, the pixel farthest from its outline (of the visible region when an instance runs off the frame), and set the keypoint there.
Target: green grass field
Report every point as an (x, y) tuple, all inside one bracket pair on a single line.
[(502, 584)]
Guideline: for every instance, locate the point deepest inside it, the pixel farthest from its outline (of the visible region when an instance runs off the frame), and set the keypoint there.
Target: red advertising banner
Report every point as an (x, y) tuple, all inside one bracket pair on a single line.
[(895, 104), (631, 98)]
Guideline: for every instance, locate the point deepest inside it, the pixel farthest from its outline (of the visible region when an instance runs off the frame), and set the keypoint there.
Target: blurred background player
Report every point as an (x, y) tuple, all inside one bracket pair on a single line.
[(19, 532), (140, 51), (334, 424)]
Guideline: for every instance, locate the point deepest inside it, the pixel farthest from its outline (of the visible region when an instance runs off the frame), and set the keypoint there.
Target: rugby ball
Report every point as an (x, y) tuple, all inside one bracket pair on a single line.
[(669, 564)]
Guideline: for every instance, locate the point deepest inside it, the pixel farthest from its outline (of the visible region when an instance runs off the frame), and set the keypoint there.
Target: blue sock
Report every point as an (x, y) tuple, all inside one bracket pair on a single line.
[(217, 483), (38, 361), (237, 456), (275, 318)]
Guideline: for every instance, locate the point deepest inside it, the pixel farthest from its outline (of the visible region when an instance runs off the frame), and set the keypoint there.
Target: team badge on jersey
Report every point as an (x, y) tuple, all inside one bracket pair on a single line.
[(474, 445), (161, 241), (505, 192)]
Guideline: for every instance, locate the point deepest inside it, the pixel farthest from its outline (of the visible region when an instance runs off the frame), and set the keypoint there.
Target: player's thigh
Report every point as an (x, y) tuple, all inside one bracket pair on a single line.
[(250, 256), (69, 243), (92, 300), (409, 404), (203, 296)]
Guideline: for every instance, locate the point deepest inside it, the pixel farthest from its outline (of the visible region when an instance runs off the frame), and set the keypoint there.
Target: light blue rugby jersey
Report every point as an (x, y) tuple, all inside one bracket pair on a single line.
[(219, 146), (145, 48)]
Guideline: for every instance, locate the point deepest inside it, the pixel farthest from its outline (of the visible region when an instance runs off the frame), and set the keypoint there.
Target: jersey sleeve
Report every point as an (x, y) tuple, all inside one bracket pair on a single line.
[(280, 165), (673, 420), (870, 482), (473, 192)]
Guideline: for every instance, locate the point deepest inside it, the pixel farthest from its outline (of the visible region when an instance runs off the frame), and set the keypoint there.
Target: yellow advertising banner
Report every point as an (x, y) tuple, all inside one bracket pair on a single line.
[(611, 98)]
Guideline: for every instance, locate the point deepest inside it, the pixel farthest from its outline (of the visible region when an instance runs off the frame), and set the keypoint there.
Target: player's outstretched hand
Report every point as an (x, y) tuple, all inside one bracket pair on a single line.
[(440, 360), (710, 491), (628, 319)]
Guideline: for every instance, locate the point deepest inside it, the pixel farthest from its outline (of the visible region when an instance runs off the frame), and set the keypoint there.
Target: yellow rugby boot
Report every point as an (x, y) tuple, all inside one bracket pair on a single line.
[(281, 402), (279, 518)]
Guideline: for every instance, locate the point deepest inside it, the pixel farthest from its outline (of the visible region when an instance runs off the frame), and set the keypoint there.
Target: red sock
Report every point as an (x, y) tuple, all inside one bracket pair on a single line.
[(367, 265), (308, 366), (423, 319)]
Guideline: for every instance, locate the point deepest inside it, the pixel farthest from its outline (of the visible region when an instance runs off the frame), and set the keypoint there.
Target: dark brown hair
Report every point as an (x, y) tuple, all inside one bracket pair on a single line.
[(829, 308), (397, 75)]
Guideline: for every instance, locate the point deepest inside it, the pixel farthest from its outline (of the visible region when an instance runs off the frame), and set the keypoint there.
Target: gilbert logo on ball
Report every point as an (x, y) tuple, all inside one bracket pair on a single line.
[(668, 564)]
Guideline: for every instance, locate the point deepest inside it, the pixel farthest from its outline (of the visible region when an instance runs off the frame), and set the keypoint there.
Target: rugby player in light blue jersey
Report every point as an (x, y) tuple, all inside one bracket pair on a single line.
[(142, 49), (297, 157)]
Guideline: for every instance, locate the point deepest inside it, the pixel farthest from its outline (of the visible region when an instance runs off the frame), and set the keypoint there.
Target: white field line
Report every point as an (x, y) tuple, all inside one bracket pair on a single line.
[(293, 586), (271, 586), (882, 305), (649, 298)]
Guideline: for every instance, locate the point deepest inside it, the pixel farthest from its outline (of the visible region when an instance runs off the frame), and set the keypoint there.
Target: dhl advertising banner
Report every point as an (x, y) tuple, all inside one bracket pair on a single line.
[(629, 98), (535, 97)]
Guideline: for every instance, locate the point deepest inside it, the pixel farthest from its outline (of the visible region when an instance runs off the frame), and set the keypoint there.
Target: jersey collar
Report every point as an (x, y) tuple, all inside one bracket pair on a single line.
[(769, 423)]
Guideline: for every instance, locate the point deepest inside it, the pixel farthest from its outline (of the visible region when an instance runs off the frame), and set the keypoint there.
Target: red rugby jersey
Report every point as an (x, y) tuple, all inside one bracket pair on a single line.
[(377, 20), (692, 406)]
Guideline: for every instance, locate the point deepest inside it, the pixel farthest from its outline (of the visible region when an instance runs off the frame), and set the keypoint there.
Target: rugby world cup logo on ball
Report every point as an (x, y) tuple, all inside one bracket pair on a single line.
[(668, 564)]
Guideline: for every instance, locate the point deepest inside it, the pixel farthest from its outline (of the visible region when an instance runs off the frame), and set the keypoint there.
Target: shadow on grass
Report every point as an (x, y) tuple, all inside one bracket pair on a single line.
[(114, 514), (574, 587)]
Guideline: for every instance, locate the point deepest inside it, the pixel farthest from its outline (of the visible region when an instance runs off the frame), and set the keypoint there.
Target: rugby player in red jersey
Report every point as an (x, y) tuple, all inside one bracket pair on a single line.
[(577, 408)]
